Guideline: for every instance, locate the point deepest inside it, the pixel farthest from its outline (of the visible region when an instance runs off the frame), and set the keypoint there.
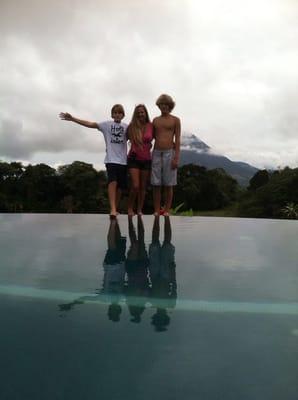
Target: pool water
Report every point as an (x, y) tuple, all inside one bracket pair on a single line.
[(170, 308)]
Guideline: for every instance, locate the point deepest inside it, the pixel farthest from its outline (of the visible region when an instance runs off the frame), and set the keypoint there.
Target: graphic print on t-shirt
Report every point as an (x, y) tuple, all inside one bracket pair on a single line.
[(115, 138), (117, 134)]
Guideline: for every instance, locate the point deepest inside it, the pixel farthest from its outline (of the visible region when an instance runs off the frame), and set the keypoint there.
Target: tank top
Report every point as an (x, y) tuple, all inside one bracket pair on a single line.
[(143, 153)]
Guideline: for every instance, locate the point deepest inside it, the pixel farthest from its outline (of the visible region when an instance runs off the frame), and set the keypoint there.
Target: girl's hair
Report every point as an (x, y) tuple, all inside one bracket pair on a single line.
[(119, 108), (166, 99), (135, 128)]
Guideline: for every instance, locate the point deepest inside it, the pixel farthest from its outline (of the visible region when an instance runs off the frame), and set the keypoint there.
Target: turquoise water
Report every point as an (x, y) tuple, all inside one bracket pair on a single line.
[(194, 308)]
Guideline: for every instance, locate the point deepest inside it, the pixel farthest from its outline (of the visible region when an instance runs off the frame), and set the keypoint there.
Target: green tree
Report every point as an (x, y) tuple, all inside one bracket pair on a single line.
[(40, 188), (83, 188), (259, 179), (269, 199), (200, 189), (10, 187)]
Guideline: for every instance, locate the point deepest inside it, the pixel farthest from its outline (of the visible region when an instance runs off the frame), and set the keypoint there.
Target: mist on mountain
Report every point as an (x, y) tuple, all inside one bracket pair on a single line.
[(195, 151)]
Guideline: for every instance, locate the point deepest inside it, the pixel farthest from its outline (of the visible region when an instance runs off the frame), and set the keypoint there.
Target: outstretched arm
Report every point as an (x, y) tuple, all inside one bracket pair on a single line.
[(68, 117)]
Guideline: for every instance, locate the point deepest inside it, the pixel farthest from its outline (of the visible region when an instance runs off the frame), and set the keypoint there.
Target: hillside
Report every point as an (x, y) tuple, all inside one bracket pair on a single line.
[(195, 151)]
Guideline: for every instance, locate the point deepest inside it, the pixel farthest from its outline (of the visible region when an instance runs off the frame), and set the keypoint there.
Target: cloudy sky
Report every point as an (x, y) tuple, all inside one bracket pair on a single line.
[(231, 66)]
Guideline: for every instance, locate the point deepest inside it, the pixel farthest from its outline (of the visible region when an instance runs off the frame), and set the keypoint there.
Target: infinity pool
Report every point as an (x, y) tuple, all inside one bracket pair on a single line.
[(176, 308)]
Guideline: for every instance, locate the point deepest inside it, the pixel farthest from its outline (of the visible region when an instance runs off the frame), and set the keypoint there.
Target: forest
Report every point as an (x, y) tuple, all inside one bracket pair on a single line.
[(79, 188)]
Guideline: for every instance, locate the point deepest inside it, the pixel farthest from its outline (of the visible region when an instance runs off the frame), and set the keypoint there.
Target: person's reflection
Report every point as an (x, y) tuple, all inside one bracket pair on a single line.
[(137, 271), (114, 275), (114, 270), (162, 270)]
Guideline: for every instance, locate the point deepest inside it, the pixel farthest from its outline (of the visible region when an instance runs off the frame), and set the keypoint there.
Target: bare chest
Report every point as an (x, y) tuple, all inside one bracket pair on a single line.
[(165, 125)]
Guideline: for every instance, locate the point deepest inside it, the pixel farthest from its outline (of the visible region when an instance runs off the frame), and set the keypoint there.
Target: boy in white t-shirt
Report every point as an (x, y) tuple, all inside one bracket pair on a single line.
[(116, 152)]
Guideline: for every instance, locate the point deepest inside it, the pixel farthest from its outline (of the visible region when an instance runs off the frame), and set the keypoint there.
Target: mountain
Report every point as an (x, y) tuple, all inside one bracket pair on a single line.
[(195, 151)]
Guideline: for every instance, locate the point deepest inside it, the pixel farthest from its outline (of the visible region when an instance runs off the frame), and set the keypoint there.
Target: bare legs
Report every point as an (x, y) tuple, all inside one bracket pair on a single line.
[(168, 194), (139, 180), (134, 189), (142, 192), (168, 199), (156, 199), (114, 197)]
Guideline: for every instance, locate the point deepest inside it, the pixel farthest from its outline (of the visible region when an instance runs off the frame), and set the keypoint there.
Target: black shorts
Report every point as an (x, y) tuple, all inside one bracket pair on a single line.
[(117, 255), (118, 173), (132, 162)]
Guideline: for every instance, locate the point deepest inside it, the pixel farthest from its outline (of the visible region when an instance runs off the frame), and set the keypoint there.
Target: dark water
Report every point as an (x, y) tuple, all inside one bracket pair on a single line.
[(192, 308)]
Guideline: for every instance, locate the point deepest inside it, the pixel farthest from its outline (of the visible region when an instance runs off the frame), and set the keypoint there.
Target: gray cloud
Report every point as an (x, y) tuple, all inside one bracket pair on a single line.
[(232, 68), (18, 143)]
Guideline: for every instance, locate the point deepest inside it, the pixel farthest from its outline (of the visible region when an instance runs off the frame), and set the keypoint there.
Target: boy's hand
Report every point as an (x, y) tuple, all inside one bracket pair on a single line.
[(174, 163), (66, 116)]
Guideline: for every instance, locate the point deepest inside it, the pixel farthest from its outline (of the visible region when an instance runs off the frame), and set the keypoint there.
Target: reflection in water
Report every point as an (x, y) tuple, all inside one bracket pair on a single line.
[(162, 269), (140, 280), (114, 275), (137, 289), (114, 270)]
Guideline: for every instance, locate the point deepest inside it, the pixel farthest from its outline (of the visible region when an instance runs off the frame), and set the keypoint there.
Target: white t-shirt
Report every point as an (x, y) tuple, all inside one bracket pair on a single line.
[(116, 144), (113, 281)]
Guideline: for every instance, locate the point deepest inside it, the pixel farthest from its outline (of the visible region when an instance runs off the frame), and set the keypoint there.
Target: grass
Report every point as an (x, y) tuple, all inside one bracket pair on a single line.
[(230, 211)]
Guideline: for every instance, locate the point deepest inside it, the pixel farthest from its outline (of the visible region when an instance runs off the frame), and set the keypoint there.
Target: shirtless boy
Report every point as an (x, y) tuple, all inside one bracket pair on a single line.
[(165, 157)]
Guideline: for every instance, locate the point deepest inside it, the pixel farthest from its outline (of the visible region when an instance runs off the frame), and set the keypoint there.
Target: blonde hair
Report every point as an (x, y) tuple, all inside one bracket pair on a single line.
[(119, 108), (135, 134), (165, 99)]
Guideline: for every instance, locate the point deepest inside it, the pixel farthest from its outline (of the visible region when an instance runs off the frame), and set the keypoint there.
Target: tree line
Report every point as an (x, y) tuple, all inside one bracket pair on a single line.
[(79, 188)]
